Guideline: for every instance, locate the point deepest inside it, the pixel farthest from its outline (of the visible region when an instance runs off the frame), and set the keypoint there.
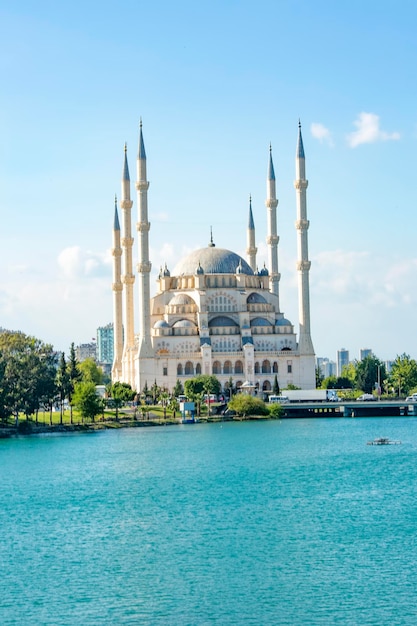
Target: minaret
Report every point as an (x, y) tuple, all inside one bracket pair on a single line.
[(128, 278), (272, 237), (303, 264), (251, 250), (117, 299), (144, 265)]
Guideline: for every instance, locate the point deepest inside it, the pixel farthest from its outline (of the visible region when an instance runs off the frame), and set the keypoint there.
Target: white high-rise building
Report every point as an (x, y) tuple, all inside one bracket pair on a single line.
[(342, 360)]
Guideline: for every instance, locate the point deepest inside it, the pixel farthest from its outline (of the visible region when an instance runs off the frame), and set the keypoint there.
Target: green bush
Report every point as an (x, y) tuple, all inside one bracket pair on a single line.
[(245, 405), (275, 410)]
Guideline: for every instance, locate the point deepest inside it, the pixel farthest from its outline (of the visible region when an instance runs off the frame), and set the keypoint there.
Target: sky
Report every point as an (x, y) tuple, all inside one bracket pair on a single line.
[(215, 84)]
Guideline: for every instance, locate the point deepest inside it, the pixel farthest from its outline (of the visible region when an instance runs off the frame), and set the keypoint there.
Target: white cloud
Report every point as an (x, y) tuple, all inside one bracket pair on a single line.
[(321, 133), (362, 299), (368, 131), (76, 263)]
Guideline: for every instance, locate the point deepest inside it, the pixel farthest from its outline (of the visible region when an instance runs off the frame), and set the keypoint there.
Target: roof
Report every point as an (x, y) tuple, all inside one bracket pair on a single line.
[(213, 261), (255, 298), (181, 298), (222, 320), (161, 324), (283, 322), (183, 324), (260, 321)]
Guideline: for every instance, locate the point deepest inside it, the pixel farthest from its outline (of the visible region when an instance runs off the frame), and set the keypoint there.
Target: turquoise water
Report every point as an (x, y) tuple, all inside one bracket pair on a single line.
[(291, 522)]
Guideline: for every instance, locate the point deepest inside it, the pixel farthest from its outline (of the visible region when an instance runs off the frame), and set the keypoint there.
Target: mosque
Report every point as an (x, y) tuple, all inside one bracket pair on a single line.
[(214, 313)]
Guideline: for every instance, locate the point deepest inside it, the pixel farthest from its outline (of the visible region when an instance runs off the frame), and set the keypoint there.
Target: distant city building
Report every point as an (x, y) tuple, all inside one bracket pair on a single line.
[(388, 366), (86, 351), (364, 352), (342, 360), (326, 367), (105, 344)]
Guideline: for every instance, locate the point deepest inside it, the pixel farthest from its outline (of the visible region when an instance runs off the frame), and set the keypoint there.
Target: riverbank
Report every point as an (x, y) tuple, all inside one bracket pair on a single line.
[(29, 427)]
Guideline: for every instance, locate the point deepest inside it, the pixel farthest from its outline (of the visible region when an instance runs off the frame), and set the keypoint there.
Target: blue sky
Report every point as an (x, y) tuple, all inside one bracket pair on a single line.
[(214, 83)]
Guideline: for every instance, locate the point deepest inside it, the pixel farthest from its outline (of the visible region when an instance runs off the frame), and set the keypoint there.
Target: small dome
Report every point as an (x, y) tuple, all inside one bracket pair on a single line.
[(260, 321), (263, 271), (181, 298), (184, 324), (221, 320), (166, 271), (255, 298), (161, 324), (283, 322), (199, 271)]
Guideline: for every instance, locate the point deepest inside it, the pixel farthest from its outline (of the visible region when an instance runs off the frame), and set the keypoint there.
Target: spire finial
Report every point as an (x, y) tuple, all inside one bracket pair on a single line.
[(300, 147), (251, 224), (125, 147), (211, 244), (140, 122), (116, 224)]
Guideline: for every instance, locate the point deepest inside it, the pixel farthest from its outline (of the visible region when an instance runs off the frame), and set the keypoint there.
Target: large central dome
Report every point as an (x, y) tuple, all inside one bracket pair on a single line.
[(212, 261)]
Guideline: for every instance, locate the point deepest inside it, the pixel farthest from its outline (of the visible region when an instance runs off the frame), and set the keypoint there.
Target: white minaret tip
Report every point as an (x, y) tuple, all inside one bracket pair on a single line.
[(125, 174), (116, 215), (300, 146), (141, 152)]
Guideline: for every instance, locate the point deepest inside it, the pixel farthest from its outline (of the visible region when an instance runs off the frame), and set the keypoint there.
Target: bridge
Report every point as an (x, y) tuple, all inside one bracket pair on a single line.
[(350, 408)]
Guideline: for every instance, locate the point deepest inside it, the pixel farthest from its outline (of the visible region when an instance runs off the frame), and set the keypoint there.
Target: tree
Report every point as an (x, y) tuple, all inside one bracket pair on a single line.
[(319, 377), (275, 410), (174, 406), (63, 383), (369, 372), (228, 385), (145, 392), (46, 383), (245, 405), (349, 372), (403, 375), (121, 393), (195, 388), (339, 382), (90, 371), (27, 374), (74, 375), (202, 384), (86, 400), (155, 392), (178, 389), (275, 386)]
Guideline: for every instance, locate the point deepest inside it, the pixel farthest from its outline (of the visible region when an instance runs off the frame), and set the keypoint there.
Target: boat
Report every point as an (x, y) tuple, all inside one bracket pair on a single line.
[(383, 441)]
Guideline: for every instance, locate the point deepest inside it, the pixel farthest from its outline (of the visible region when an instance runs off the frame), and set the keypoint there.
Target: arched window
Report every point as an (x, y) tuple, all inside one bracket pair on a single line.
[(189, 369), (257, 368), (266, 367), (275, 367), (238, 367), (227, 367), (266, 386), (179, 369), (198, 369), (217, 368)]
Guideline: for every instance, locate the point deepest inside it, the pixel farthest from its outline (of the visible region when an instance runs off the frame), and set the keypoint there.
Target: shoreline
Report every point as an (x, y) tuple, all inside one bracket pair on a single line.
[(29, 428)]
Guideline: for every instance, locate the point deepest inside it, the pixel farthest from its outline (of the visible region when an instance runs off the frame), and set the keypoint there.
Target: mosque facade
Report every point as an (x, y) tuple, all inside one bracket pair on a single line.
[(215, 312)]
